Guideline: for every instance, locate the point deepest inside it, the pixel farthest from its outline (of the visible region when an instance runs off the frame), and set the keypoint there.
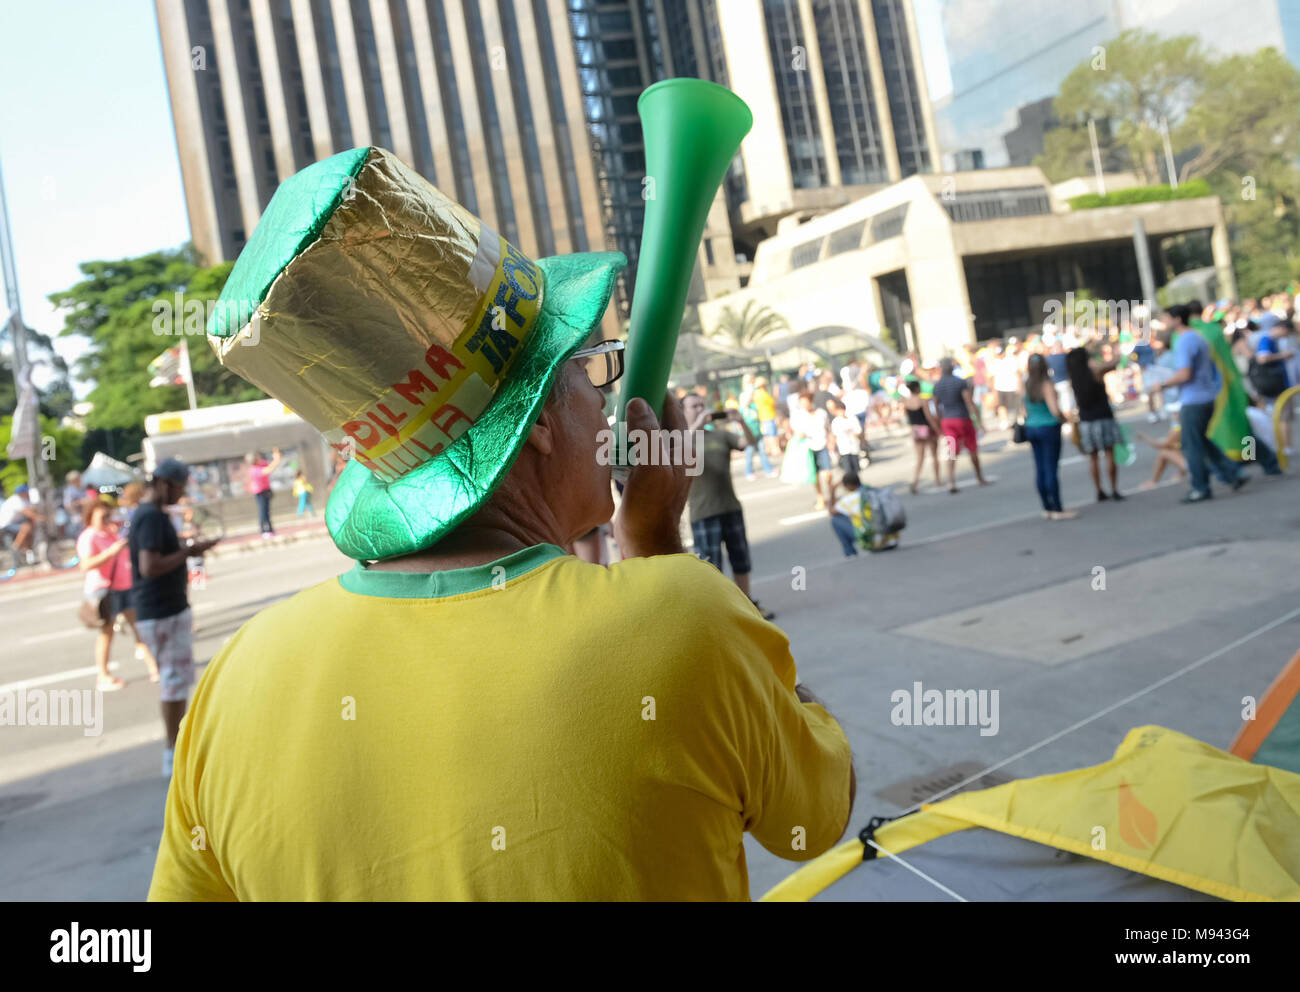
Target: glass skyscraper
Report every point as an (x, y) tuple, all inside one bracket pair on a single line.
[(1006, 57)]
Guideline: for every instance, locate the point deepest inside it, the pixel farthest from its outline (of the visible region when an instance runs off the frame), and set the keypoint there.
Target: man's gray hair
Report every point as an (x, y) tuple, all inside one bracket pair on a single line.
[(945, 365)]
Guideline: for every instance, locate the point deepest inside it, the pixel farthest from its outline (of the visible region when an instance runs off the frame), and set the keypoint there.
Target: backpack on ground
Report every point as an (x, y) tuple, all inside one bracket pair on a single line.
[(885, 518)]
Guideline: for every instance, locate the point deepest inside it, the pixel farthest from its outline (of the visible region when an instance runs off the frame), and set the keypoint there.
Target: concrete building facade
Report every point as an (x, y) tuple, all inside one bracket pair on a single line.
[(262, 88), (935, 262)]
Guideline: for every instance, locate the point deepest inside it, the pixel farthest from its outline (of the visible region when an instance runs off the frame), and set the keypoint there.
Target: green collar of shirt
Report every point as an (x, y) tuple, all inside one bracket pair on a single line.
[(452, 582)]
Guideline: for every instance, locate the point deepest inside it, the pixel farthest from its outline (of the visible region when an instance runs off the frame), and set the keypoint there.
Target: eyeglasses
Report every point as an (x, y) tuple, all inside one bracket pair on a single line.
[(603, 362)]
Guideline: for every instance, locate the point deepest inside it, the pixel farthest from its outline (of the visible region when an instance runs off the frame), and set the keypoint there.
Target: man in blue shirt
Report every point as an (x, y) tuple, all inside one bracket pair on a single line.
[(1199, 378)]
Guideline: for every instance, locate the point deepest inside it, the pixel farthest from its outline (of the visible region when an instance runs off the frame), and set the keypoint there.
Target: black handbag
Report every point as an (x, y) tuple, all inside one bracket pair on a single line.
[(1018, 432)]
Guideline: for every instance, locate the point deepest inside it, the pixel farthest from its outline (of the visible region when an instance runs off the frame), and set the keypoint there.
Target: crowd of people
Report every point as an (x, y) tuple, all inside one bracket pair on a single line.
[(1063, 383)]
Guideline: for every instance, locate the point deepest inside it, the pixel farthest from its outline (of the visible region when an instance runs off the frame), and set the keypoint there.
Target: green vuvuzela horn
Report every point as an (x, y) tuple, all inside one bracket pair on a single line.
[(692, 129)]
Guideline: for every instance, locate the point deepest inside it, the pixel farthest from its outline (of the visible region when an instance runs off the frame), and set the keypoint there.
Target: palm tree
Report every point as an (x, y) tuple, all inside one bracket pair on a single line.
[(754, 322)]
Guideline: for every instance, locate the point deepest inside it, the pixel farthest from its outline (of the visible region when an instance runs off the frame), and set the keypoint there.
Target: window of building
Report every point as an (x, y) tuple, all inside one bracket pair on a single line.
[(997, 204), (901, 86), (499, 173), (847, 238), (888, 224), (328, 49), (807, 253), (450, 91), (788, 51), (539, 198)]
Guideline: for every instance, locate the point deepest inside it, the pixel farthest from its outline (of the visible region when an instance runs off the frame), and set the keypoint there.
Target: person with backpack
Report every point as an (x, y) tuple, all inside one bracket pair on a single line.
[(847, 517)]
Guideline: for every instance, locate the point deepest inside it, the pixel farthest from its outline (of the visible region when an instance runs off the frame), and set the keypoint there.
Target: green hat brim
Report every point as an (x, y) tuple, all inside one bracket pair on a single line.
[(370, 519)]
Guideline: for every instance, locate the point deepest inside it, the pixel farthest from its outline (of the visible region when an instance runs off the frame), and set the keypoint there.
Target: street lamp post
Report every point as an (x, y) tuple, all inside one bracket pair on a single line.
[(27, 413)]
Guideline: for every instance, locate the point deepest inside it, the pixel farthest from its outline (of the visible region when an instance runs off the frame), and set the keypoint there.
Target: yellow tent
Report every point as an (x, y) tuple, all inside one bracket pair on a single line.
[(1167, 818)]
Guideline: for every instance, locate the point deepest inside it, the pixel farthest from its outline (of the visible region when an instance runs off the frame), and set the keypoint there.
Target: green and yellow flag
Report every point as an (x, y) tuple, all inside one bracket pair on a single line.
[(1229, 425)]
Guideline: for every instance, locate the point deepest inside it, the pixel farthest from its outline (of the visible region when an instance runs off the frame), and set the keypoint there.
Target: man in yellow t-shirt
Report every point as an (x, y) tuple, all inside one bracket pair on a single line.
[(471, 712)]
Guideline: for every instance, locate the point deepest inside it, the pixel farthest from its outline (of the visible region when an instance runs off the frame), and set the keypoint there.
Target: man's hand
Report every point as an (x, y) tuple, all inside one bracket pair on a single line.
[(648, 521), (199, 547), (698, 423)]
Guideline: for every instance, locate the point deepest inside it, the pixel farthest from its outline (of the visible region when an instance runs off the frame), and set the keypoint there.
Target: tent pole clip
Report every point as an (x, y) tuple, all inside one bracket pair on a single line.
[(868, 834)]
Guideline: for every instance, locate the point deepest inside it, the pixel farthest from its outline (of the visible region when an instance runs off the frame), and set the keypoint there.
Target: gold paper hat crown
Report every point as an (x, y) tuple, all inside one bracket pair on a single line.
[(420, 343), (391, 330)]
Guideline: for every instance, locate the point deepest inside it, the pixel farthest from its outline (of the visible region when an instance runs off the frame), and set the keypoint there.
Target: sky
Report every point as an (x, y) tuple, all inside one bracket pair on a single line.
[(87, 148), (929, 29)]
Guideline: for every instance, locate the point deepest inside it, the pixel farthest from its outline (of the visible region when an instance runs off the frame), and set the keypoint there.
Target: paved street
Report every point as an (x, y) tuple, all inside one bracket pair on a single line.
[(982, 594)]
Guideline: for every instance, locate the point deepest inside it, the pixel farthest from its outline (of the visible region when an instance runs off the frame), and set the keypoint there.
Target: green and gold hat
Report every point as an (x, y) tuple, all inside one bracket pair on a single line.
[(416, 339)]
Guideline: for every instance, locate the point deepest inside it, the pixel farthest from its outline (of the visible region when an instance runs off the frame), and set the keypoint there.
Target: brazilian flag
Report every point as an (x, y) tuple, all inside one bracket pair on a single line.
[(1229, 424)]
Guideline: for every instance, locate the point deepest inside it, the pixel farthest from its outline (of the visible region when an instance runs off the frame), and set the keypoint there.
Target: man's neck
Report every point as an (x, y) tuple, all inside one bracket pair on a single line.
[(467, 547)]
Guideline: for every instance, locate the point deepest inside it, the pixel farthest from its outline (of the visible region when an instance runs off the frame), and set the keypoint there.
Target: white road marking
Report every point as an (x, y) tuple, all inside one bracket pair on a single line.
[(70, 632), (803, 518), (72, 673)]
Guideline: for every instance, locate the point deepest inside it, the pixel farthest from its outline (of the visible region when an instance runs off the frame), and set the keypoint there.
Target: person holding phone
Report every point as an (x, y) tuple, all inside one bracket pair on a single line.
[(159, 593), (716, 516)]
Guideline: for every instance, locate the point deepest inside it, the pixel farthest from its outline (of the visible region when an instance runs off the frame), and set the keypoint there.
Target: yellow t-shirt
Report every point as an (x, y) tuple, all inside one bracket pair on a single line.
[(850, 504), (538, 728), (765, 404)]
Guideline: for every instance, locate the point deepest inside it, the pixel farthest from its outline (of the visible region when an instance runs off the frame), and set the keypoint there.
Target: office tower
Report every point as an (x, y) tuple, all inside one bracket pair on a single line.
[(525, 110)]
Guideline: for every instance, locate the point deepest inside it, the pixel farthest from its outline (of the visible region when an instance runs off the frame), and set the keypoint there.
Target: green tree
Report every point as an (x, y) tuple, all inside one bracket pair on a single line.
[(1137, 81), (752, 324), (1234, 122), (127, 310)]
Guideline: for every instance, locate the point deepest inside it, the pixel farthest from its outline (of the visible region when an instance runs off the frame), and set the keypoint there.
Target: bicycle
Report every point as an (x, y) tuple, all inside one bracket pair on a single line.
[(48, 545)]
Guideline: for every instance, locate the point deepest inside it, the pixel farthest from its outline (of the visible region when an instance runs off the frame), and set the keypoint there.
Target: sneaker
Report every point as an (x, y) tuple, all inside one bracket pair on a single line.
[(1242, 479), (765, 613), (1116, 496), (1196, 496), (167, 762), (1101, 496)]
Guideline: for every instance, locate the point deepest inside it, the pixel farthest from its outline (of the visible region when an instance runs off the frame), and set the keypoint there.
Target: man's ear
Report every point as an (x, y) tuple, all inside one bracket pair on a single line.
[(542, 436)]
